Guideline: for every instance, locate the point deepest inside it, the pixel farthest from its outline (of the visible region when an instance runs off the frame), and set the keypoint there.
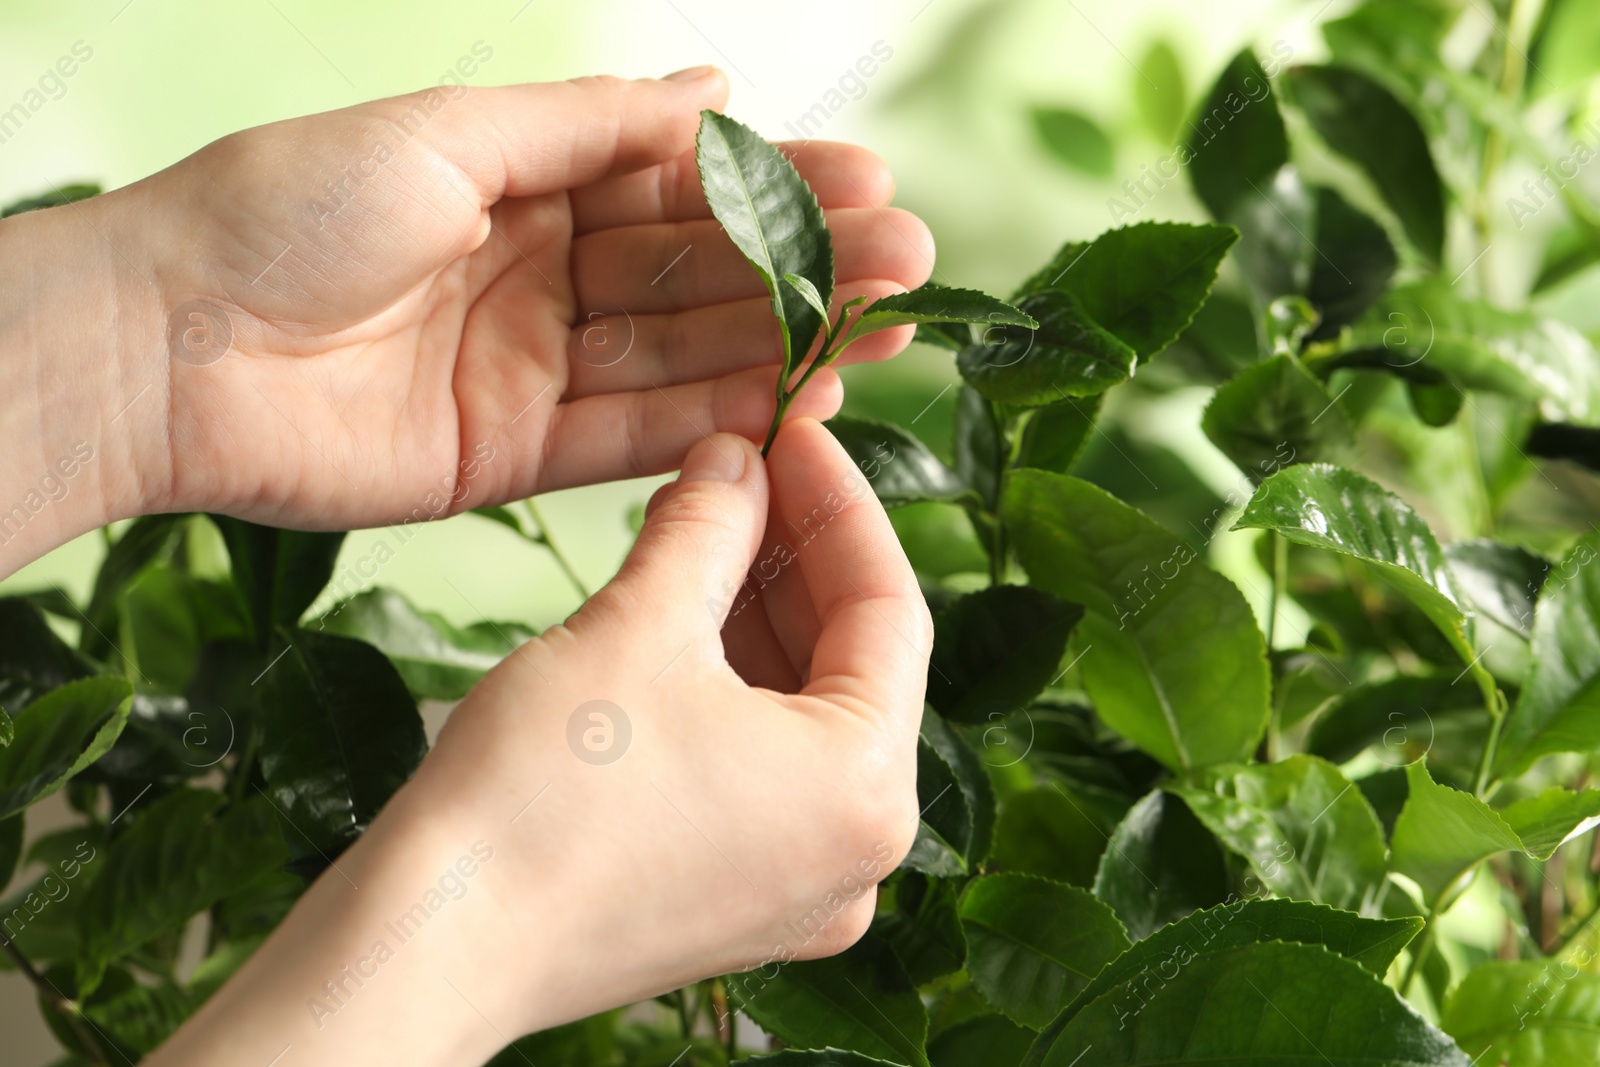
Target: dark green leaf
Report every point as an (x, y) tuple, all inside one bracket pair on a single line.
[(982, 1041), (1054, 435), (1274, 414), (1266, 1004), (773, 219), (58, 735), (8, 729), (1435, 405), (945, 835), (1173, 658), (980, 452), (339, 735), (1399, 714), (1363, 121), (1045, 831), (1558, 709), (169, 616), (1536, 1012), (591, 1042), (1276, 220), (899, 467), (32, 658), (278, 572), (1559, 440), (1033, 944), (56, 197), (439, 661), (1068, 355), (175, 861), (144, 540), (936, 304), (996, 649), (860, 1000), (1238, 141), (813, 1057), (1498, 581), (1302, 827), (1075, 139), (1160, 91), (10, 847), (1290, 320), (1545, 820), (924, 928), (1141, 283), (970, 777), (1160, 865), (1353, 265)]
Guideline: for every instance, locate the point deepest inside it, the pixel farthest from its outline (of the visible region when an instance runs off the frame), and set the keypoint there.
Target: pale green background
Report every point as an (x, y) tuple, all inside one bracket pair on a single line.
[(947, 110)]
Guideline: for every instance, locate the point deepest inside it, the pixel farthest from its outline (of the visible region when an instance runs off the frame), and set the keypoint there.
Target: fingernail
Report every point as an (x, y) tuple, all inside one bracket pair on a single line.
[(711, 462), (690, 74)]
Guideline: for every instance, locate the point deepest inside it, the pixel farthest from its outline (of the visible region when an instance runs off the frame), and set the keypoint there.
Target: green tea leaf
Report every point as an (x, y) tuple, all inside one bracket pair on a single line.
[(981, 454), (1054, 435), (1172, 655), (439, 661), (56, 197), (1363, 121), (898, 466), (1276, 220), (58, 735), (144, 540), (1143, 283), (970, 778), (1354, 262), (1068, 355), (32, 658), (1558, 709), (945, 834), (175, 861), (1330, 507), (1402, 714), (996, 649), (936, 304), (1033, 944), (813, 1057), (8, 729), (1075, 139), (10, 847), (773, 219), (924, 928), (1535, 1012), (982, 1041), (1275, 414), (1160, 91), (278, 572), (804, 287), (339, 735), (860, 1000), (1160, 865), (1048, 832), (1256, 1005), (1238, 140), (1545, 820), (1306, 832)]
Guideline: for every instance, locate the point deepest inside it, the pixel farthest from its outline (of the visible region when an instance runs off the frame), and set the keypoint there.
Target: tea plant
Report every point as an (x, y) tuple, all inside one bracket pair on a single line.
[(1285, 776)]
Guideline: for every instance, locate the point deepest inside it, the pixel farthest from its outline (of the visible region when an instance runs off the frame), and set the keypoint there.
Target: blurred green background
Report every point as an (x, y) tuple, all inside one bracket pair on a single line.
[(1009, 124)]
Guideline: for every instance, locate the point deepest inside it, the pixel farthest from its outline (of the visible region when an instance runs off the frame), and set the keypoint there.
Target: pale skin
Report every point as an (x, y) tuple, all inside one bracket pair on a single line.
[(446, 304)]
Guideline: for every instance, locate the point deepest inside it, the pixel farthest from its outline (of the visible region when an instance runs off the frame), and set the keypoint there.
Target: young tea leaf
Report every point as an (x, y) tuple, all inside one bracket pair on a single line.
[(58, 735), (773, 219), (936, 304), (1274, 414), (804, 287), (1238, 140), (1525, 1012), (278, 573), (1068, 355), (1160, 90), (996, 649), (1075, 139), (899, 467), (1160, 865)]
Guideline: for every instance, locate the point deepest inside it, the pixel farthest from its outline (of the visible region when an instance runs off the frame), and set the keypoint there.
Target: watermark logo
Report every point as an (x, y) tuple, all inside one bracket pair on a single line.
[(599, 732), (199, 333)]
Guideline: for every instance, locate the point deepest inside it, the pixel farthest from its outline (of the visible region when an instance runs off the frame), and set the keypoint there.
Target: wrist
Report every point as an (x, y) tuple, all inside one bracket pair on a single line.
[(83, 394)]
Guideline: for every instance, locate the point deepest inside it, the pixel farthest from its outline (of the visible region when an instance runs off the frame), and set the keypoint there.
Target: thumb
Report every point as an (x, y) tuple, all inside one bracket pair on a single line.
[(698, 541)]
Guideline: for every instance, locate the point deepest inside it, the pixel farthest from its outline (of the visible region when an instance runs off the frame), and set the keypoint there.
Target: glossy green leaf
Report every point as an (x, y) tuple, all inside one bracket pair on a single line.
[(1498, 581), (1337, 509), (1068, 355), (340, 733), (1172, 655), (996, 649), (1428, 332), (10, 847), (168, 617), (936, 304), (1363, 121), (1160, 865), (924, 927), (1055, 435), (1276, 219), (177, 859), (144, 540), (1353, 264), (1047, 831), (1142, 283), (971, 780), (1305, 831), (1257, 1005), (438, 660), (1075, 139), (1371, 943), (982, 1041), (1237, 140), (1538, 1013), (1160, 91), (898, 466), (945, 834), (981, 454), (1275, 414), (860, 1000), (809, 292), (32, 658), (279, 573), (1033, 944), (1442, 832), (1558, 709), (1398, 717), (773, 219), (58, 735)]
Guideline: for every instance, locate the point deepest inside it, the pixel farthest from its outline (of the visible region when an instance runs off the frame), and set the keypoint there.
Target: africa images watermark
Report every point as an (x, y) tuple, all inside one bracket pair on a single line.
[(50, 87), (1206, 128), (53, 487), (452, 885), (53, 888), (852, 85), (1548, 187)]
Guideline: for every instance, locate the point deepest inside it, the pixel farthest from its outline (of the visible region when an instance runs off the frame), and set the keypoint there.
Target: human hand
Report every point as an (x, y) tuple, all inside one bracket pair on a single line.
[(528, 293), (763, 781)]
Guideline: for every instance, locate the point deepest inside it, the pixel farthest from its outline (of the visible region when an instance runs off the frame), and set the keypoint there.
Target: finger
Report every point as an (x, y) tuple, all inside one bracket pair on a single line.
[(753, 649), (695, 546), (524, 140), (623, 352), (672, 266), (842, 175), (872, 651), (628, 435)]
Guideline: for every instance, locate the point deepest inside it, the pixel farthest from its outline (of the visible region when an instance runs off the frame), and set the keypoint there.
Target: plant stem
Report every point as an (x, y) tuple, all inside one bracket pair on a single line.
[(1276, 582), (66, 1007), (1520, 21), (1491, 747), (685, 1023), (545, 539), (1423, 947)]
